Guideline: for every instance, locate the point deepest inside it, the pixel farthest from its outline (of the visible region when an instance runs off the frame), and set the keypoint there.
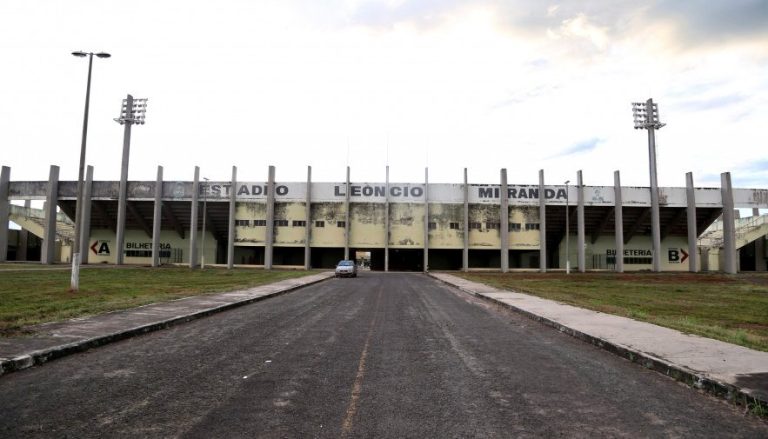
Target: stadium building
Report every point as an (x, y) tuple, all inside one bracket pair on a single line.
[(392, 226)]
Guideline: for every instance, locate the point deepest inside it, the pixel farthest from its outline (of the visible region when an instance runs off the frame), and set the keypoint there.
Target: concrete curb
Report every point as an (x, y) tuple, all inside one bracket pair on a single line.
[(680, 373), (39, 357)]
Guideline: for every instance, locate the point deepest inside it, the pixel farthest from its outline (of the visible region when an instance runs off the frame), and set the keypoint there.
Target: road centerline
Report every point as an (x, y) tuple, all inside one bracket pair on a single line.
[(357, 386)]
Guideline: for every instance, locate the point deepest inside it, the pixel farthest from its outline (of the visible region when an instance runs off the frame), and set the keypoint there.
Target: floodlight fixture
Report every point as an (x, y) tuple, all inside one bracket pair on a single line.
[(81, 54), (135, 115), (646, 115)]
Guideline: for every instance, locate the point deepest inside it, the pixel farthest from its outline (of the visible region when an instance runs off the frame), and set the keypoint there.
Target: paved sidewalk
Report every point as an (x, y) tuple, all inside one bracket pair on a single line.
[(54, 340), (728, 370)]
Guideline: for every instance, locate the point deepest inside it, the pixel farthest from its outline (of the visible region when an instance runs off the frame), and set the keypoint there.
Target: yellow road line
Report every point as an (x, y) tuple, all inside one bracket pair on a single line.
[(357, 387)]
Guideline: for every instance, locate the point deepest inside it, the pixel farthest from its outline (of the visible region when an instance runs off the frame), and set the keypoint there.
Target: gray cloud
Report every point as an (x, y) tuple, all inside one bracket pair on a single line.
[(583, 146), (754, 181), (715, 20), (756, 166), (751, 174), (697, 21)]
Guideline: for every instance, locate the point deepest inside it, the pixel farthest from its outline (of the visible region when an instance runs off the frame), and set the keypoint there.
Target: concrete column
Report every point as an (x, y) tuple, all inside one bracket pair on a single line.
[(504, 221), (123, 191), (542, 224), (580, 224), (346, 218), (231, 223), (655, 221), (761, 261), (386, 222), (270, 237), (619, 220), (760, 256), (21, 251), (85, 217), (5, 209), (48, 251), (193, 219), (308, 228), (693, 234), (426, 220), (729, 225), (465, 254), (156, 217)]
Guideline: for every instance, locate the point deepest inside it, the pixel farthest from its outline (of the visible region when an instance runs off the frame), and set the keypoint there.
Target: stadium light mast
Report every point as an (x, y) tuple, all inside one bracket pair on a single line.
[(132, 112), (567, 232), (646, 115), (77, 246)]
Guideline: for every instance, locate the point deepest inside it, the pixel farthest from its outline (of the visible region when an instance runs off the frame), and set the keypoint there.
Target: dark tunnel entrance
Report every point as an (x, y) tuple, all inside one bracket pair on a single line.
[(445, 259), (401, 259)]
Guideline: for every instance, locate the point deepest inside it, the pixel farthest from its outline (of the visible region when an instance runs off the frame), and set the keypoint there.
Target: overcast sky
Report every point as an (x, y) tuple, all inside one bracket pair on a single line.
[(524, 84)]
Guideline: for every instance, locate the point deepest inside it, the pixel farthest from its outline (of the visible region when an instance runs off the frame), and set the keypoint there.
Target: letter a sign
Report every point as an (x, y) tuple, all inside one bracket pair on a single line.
[(100, 248)]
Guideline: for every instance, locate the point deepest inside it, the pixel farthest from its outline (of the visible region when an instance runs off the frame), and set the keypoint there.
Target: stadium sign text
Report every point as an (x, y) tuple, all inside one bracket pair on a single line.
[(516, 193)]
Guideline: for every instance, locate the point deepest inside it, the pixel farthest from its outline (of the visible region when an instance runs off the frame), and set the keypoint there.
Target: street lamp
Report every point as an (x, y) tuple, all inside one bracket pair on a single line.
[(646, 116), (77, 245), (567, 232), (205, 199), (132, 112)]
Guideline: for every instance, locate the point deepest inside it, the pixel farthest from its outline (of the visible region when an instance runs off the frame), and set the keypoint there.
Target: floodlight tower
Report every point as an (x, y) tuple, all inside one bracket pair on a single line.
[(646, 115), (131, 113), (79, 243)]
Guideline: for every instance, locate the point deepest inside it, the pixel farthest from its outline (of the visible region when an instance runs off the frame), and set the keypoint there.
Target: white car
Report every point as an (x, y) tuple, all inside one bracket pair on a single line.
[(346, 269)]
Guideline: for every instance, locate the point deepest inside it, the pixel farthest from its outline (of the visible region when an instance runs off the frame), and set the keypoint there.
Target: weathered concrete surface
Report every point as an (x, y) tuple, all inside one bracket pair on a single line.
[(54, 340), (725, 369)]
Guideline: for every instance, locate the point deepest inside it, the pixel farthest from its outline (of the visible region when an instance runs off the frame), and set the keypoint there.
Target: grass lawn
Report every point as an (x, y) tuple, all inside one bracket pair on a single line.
[(29, 296), (728, 308)]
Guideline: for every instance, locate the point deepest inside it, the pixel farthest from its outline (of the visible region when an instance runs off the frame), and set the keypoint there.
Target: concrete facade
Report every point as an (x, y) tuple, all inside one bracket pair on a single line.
[(404, 226)]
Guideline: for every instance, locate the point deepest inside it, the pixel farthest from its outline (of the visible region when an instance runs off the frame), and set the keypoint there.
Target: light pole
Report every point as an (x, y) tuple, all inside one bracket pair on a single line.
[(205, 198), (77, 245), (567, 232), (646, 116), (132, 112)]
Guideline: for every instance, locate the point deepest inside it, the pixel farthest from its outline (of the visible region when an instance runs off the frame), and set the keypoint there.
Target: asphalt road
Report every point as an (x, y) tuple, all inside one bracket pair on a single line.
[(383, 355)]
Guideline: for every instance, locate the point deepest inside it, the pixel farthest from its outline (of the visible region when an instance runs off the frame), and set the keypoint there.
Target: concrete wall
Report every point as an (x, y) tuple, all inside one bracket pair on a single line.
[(102, 247), (331, 235), (367, 225), (442, 236), (638, 249), (525, 238), (290, 235), (406, 222), (250, 234)]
